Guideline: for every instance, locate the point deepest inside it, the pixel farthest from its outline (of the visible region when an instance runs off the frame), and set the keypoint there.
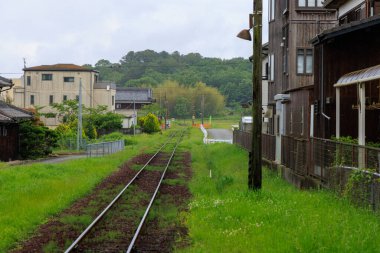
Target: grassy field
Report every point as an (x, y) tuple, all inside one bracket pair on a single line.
[(29, 194), (225, 217)]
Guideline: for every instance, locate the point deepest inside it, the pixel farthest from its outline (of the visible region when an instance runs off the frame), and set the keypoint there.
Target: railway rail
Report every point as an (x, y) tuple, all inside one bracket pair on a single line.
[(142, 174)]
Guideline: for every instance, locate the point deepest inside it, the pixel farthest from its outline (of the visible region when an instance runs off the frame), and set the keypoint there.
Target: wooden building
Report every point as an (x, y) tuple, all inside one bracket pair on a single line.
[(129, 101), (292, 24), (347, 86), (10, 116)]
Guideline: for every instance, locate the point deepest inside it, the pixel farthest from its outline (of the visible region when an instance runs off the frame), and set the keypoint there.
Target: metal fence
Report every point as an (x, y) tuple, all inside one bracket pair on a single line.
[(104, 148), (71, 143)]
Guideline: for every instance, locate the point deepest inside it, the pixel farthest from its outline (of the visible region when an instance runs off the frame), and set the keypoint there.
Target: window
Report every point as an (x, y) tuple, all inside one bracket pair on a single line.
[(68, 79), (51, 99), (113, 100), (64, 98), (32, 99), (304, 61), (77, 98), (5, 131), (310, 3), (271, 67), (271, 9), (47, 77), (28, 80)]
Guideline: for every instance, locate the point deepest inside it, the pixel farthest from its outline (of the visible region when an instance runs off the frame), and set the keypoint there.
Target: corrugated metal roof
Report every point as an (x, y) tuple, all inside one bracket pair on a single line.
[(346, 28), (133, 94), (359, 76), (103, 85)]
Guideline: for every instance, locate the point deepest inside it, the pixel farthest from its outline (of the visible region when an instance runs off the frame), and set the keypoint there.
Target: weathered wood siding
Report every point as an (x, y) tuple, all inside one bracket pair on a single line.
[(334, 58), (9, 140)]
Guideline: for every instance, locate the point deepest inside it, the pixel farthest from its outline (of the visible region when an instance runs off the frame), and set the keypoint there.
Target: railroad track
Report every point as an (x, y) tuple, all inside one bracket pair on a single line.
[(153, 172)]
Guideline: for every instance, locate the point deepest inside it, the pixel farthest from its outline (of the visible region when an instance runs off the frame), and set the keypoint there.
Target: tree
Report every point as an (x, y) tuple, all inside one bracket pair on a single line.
[(182, 107)]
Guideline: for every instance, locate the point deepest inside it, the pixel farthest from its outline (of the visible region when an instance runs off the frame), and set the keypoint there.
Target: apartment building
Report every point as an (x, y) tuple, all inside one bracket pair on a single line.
[(47, 84)]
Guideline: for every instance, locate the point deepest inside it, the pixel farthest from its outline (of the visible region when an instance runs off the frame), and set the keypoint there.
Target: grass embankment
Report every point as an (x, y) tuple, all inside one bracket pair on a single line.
[(225, 217), (29, 194)]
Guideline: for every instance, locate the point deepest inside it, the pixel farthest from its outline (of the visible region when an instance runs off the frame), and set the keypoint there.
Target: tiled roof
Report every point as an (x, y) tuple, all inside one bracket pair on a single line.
[(4, 82), (5, 119), (13, 113), (133, 94), (60, 67)]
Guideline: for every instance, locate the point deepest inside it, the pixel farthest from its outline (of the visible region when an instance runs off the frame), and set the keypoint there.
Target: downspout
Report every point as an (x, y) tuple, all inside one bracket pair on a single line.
[(323, 89)]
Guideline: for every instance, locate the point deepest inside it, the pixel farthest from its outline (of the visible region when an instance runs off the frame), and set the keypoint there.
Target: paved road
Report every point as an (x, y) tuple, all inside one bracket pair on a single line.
[(220, 134), (63, 158)]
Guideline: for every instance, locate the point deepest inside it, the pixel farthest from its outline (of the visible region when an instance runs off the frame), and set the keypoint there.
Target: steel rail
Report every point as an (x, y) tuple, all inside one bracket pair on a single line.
[(86, 231), (132, 243)]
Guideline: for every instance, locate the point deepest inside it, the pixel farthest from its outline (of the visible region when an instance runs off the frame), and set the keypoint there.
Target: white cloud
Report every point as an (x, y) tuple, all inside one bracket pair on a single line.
[(72, 31)]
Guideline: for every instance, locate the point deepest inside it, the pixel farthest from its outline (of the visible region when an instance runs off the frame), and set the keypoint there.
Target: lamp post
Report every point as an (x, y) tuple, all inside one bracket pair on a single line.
[(254, 167)]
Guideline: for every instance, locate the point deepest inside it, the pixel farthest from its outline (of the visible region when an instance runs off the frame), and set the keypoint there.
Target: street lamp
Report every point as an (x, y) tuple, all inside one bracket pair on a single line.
[(254, 167)]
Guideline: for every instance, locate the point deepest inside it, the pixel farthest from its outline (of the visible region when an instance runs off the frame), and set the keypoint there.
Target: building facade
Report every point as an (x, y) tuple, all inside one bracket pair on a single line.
[(292, 24), (347, 63), (45, 85), (129, 101)]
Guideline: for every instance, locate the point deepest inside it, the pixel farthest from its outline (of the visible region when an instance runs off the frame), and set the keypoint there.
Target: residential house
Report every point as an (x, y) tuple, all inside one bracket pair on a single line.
[(47, 84), (267, 122), (129, 101), (292, 24), (10, 116), (347, 86)]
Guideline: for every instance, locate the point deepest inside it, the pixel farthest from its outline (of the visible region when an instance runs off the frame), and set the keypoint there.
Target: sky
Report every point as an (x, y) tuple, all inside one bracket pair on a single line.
[(81, 32)]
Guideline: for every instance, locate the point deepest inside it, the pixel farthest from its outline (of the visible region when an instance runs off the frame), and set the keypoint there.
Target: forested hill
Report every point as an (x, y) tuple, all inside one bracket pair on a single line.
[(150, 69)]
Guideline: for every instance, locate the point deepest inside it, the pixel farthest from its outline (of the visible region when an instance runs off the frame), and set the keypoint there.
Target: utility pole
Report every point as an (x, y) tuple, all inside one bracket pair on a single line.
[(134, 116), (203, 106), (255, 169), (79, 133)]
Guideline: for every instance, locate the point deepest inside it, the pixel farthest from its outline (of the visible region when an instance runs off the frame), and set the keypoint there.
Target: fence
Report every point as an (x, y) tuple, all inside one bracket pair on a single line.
[(294, 154), (210, 141), (268, 143), (71, 143), (104, 148), (327, 161)]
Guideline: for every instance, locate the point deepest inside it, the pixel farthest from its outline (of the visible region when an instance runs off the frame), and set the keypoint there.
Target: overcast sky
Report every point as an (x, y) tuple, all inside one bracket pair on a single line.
[(85, 31)]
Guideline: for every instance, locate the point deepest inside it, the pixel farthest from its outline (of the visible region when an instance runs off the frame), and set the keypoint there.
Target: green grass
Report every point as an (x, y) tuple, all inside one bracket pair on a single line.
[(30, 194), (225, 217)]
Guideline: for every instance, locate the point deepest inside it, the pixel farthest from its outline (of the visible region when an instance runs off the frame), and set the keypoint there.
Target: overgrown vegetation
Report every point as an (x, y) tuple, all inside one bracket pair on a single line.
[(29, 194), (225, 217), (96, 121)]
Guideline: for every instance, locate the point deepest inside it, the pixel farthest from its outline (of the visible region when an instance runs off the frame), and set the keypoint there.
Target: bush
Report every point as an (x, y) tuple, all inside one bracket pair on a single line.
[(36, 141), (150, 123)]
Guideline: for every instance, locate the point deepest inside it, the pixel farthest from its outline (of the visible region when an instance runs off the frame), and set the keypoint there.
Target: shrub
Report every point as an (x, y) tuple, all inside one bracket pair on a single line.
[(150, 123), (36, 141)]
